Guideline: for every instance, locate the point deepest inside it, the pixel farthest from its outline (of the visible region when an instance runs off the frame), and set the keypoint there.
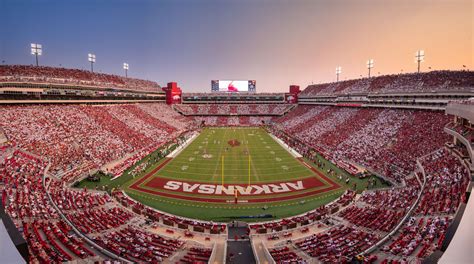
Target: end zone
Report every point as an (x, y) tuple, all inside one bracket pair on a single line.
[(216, 193)]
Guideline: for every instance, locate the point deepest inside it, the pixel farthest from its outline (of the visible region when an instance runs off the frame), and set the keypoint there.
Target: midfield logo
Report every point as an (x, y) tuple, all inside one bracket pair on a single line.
[(233, 143)]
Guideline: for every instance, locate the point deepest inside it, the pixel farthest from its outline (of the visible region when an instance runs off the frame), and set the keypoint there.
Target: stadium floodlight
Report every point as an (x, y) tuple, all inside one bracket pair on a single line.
[(370, 65), (419, 58), (91, 58), (338, 71), (37, 50), (126, 67)]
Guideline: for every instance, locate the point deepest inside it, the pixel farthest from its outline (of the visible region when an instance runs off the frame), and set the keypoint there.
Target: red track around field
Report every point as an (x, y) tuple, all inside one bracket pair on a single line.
[(158, 182)]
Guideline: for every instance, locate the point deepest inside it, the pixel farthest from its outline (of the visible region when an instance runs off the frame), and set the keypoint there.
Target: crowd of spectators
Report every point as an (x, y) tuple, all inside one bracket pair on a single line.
[(163, 113), (233, 109), (446, 182), (77, 139), (381, 210), (469, 101), (167, 219), (387, 141), (338, 244), (393, 198), (419, 237), (49, 238), (197, 255), (406, 83), (233, 120), (45, 74), (137, 245), (311, 131), (99, 219), (302, 221), (378, 139), (284, 255), (424, 232), (376, 213), (375, 218)]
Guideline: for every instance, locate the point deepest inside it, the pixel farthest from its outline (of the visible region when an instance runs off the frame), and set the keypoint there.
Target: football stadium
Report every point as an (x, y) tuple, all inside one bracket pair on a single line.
[(213, 132)]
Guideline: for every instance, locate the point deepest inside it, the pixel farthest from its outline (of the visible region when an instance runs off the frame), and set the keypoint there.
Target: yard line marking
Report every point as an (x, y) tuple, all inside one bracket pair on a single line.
[(252, 164), (218, 156)]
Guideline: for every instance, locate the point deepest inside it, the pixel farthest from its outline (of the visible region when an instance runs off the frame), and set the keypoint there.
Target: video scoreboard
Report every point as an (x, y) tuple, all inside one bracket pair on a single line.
[(233, 86)]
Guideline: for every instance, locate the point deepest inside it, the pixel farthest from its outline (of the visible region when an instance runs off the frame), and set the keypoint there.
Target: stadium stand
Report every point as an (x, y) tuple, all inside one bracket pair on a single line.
[(232, 109), (78, 139), (233, 121), (49, 238), (44, 74), (285, 255), (337, 244), (374, 138), (49, 147), (400, 83)]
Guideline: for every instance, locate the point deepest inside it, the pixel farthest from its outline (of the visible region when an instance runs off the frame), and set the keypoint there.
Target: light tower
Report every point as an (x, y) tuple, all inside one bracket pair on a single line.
[(126, 67), (37, 50), (419, 58), (338, 71), (370, 65), (91, 58)]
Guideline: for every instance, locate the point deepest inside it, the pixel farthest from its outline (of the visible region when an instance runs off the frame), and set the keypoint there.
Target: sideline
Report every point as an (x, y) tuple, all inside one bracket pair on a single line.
[(180, 148), (293, 152)]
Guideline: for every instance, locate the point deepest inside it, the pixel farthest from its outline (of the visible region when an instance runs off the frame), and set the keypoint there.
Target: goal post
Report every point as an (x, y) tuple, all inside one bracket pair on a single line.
[(249, 173)]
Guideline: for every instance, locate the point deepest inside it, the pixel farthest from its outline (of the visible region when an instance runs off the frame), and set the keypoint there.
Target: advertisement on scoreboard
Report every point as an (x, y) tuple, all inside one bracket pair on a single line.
[(233, 86)]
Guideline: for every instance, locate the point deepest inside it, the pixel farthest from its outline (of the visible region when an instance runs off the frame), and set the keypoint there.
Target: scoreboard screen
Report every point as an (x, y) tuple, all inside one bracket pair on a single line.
[(233, 86)]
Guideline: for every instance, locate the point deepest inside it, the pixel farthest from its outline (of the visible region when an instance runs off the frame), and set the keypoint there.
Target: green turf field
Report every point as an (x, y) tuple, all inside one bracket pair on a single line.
[(222, 154), (268, 160)]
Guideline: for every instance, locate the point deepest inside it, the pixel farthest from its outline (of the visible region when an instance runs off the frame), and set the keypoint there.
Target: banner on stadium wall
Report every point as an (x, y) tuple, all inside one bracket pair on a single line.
[(173, 93), (176, 97), (291, 98)]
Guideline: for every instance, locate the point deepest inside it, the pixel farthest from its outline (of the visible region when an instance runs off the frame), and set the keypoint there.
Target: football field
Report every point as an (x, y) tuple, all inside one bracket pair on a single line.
[(232, 155), (233, 173)]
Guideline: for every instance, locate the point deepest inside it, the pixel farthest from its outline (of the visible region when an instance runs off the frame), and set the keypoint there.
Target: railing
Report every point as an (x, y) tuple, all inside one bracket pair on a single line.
[(225, 252), (449, 129), (268, 257), (408, 214), (85, 237), (254, 250), (213, 254), (168, 214)]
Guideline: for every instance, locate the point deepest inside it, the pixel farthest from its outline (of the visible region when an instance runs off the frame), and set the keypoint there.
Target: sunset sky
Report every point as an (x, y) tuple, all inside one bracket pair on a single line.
[(277, 42)]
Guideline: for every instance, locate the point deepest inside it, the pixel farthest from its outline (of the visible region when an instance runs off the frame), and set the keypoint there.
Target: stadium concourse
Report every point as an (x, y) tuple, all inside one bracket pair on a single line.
[(414, 131)]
